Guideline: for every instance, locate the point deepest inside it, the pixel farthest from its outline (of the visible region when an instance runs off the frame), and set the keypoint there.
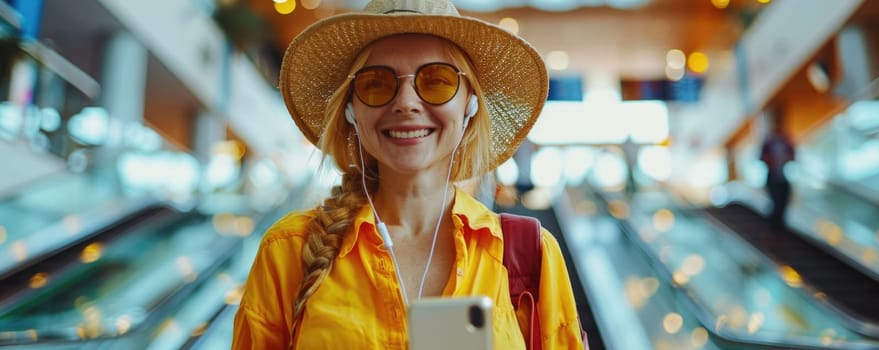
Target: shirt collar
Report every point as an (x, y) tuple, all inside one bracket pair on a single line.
[(466, 210), (474, 214), (363, 221)]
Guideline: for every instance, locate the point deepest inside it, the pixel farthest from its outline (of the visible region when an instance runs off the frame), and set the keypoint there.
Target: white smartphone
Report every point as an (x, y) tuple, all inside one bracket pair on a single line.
[(460, 323)]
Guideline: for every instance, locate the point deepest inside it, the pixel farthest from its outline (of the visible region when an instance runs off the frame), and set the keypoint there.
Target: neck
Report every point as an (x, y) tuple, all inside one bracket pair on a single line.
[(413, 208)]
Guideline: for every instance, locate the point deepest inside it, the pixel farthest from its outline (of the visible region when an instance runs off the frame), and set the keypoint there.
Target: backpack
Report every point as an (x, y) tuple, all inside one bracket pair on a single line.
[(522, 258)]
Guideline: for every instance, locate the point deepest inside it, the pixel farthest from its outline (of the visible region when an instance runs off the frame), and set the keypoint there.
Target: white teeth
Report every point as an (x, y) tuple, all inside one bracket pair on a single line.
[(408, 134)]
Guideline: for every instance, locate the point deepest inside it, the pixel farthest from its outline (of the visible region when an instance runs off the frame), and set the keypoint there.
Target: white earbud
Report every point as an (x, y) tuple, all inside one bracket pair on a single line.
[(349, 114), (470, 111)]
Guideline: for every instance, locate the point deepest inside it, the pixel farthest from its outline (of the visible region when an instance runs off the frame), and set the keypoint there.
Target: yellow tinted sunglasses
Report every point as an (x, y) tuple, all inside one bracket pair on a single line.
[(435, 83)]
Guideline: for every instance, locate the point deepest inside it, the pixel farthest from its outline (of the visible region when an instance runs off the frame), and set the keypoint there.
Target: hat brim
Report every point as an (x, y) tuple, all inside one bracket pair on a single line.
[(511, 72)]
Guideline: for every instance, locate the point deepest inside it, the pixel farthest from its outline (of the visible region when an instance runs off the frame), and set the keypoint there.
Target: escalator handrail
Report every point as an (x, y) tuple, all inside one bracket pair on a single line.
[(56, 237), (158, 313), (197, 340)]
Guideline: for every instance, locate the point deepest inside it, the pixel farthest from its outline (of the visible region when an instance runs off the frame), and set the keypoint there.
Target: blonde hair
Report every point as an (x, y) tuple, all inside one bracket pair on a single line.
[(333, 218)]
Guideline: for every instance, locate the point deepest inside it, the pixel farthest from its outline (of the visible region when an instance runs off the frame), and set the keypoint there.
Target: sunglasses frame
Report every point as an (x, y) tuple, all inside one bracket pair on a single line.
[(414, 76)]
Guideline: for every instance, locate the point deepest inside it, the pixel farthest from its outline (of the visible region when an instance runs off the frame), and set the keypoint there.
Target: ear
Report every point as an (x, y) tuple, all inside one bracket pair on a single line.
[(470, 111)]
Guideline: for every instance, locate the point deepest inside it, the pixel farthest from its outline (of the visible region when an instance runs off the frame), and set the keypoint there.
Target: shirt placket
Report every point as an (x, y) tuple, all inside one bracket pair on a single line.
[(460, 261), (392, 304)]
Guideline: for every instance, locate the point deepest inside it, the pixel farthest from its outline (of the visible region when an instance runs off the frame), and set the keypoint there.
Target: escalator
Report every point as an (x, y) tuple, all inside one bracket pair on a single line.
[(96, 267), (635, 305), (30, 276), (64, 210), (741, 297), (205, 320), (116, 291), (843, 286)]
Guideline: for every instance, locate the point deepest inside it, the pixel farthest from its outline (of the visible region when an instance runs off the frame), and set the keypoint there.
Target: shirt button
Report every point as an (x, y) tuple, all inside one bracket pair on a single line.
[(460, 272)]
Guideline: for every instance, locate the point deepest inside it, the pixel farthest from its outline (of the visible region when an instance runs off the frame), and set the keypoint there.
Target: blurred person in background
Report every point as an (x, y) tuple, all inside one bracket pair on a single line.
[(776, 152), (630, 155), (407, 98), (523, 158)]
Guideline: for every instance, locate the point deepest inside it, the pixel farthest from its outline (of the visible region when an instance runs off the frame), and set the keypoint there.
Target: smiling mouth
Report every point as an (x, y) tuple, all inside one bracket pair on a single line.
[(409, 134)]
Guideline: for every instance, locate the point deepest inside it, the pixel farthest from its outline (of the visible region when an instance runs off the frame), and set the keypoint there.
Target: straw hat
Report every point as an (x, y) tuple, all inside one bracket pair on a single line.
[(510, 71)]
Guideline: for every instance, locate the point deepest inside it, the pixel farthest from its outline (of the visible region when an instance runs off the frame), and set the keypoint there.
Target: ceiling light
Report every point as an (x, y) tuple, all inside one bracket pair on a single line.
[(720, 4), (818, 77), (509, 24), (310, 4), (557, 60), (285, 7), (675, 59), (674, 74), (697, 62)]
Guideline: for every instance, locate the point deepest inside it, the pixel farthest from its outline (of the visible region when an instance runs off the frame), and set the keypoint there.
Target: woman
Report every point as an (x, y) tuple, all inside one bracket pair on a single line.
[(426, 98)]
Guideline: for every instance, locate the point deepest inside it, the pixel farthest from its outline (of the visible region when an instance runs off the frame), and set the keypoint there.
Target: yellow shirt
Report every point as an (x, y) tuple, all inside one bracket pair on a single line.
[(358, 306)]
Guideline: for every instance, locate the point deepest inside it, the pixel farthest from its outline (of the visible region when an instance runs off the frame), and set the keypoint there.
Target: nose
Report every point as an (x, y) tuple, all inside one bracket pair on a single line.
[(407, 100)]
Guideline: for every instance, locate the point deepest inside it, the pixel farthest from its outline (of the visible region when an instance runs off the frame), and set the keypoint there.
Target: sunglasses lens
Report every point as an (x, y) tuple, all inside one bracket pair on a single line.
[(437, 83), (375, 86)]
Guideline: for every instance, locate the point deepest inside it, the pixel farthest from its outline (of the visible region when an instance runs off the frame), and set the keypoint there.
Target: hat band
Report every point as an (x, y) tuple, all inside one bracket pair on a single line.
[(401, 10)]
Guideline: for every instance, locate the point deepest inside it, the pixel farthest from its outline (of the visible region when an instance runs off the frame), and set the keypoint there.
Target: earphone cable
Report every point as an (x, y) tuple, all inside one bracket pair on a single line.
[(382, 228), (440, 219)]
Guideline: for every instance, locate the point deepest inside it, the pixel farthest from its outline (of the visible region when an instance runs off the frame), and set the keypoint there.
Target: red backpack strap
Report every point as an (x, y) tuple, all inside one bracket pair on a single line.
[(522, 253), (522, 258)]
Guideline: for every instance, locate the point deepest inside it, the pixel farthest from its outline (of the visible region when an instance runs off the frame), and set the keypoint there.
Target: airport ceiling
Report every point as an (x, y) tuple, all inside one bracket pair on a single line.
[(603, 39)]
